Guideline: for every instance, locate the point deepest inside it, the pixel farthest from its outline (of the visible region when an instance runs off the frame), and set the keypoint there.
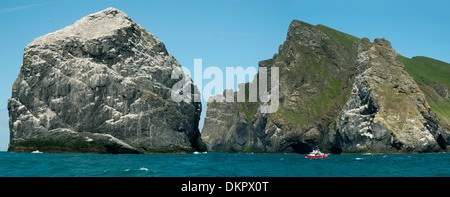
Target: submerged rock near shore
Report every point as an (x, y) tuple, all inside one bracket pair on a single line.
[(340, 94), (101, 85)]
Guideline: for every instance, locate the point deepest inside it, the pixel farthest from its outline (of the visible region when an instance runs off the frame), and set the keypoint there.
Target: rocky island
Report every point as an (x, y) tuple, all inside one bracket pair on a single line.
[(341, 94), (101, 85), (104, 85)]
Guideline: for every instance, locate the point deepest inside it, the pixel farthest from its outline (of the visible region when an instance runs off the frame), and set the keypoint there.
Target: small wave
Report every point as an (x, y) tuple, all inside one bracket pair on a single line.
[(196, 152), (144, 169)]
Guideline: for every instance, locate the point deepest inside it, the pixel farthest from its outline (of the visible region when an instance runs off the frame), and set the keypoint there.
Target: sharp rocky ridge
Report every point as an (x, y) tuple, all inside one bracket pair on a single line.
[(338, 93)]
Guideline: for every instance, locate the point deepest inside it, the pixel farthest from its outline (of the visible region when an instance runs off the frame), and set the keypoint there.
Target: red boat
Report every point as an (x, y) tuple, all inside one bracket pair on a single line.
[(316, 154)]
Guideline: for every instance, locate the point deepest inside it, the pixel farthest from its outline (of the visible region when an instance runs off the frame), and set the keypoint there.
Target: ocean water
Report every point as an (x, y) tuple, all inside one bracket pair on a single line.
[(223, 165)]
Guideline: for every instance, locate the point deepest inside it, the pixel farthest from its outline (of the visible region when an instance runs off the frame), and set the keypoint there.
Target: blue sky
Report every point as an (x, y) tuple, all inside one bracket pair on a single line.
[(228, 32)]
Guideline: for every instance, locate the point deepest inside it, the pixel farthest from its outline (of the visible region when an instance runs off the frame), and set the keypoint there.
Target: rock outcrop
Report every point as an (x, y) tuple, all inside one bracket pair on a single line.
[(102, 85), (338, 93), (386, 111), (316, 71)]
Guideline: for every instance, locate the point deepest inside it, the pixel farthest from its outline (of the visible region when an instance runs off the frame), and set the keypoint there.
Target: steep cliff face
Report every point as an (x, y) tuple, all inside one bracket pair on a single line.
[(386, 111), (103, 85), (316, 66), (338, 93)]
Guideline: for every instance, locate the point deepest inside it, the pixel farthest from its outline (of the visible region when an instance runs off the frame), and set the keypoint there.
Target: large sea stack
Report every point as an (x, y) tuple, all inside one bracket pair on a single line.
[(101, 85)]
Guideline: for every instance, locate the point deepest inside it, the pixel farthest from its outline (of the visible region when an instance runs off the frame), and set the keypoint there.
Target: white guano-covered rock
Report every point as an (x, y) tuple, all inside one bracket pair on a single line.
[(103, 75)]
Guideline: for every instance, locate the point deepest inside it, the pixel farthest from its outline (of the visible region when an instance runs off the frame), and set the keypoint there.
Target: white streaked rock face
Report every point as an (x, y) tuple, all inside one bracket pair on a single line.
[(97, 25), (104, 74), (386, 111)]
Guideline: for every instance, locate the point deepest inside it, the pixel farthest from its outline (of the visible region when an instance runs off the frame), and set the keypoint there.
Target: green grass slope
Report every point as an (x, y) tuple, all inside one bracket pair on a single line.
[(433, 78), (345, 39), (324, 91)]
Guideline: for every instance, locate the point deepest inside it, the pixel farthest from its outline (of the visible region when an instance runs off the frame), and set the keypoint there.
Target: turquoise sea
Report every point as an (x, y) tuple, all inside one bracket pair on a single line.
[(223, 165)]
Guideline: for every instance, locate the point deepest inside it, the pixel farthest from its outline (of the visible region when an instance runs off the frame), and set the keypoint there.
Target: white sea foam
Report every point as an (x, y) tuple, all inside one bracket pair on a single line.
[(145, 169)]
